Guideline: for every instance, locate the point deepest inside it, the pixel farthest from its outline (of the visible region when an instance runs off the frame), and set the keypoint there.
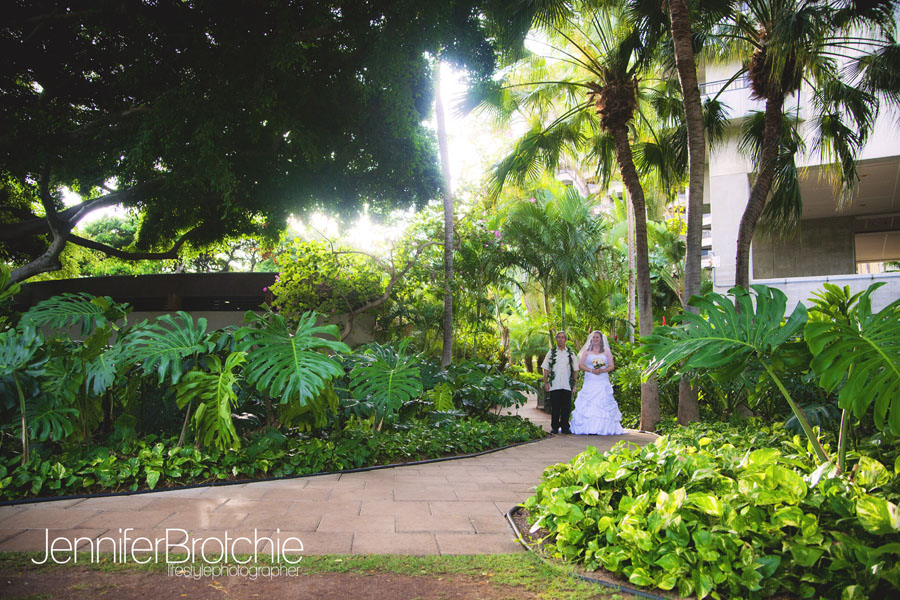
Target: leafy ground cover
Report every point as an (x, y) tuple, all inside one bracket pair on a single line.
[(169, 403), (487, 577), (728, 511), (159, 462)]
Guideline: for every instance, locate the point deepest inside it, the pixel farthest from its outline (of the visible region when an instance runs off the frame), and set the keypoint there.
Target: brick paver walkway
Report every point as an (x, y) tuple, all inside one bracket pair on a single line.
[(450, 507)]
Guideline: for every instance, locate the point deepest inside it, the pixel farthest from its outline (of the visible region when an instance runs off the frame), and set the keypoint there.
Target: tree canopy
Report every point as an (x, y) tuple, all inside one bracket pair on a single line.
[(218, 118)]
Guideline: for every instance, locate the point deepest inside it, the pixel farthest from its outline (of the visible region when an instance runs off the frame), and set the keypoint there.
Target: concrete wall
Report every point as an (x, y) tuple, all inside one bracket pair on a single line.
[(822, 247), (362, 333), (727, 197)]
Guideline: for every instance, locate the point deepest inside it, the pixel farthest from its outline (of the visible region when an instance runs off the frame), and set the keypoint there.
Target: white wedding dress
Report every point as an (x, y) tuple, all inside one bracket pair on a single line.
[(596, 411)]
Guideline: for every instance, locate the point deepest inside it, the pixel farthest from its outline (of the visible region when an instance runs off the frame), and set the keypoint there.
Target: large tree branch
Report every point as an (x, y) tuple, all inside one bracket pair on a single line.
[(396, 276), (171, 253), (69, 218), (49, 260)]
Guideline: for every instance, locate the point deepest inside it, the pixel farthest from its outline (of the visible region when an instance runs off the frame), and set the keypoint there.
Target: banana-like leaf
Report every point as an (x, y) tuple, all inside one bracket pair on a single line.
[(862, 352), (290, 367), (721, 339), (162, 346), (69, 310), (215, 393), (387, 377)]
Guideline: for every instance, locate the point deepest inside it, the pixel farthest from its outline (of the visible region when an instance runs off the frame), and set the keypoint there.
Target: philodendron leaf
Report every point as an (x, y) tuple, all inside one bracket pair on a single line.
[(292, 367), (162, 346), (70, 310), (388, 377), (877, 515), (862, 352), (721, 339)]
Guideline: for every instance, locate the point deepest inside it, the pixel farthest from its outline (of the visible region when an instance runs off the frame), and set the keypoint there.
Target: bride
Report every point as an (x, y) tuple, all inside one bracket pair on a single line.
[(596, 411)]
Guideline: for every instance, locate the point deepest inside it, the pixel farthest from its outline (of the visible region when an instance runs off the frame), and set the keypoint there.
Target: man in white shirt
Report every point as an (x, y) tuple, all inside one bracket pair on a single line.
[(560, 366)]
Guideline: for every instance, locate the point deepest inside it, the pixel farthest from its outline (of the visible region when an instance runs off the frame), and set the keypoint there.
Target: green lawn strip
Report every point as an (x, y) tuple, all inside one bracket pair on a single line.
[(524, 570)]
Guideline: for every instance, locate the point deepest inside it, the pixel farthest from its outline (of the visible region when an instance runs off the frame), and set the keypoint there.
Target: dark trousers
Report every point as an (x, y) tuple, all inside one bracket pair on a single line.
[(560, 407)]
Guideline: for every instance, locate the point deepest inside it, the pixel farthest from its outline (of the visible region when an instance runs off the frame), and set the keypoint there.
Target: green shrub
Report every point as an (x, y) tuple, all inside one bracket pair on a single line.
[(314, 277), (158, 462), (727, 512)]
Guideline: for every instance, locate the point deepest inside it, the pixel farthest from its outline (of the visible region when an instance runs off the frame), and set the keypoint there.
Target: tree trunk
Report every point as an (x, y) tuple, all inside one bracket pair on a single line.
[(447, 351), (551, 325), (688, 402), (629, 221), (649, 390), (688, 410), (565, 284), (759, 193)]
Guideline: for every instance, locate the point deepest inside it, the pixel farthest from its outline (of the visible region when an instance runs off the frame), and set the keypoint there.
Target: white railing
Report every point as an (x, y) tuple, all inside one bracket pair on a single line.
[(800, 289)]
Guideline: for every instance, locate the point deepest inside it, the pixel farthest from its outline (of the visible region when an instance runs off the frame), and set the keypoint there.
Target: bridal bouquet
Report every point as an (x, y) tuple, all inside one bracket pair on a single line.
[(599, 362)]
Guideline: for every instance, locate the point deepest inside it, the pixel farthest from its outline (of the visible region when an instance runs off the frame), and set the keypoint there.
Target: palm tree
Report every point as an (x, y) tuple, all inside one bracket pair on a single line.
[(447, 196), (585, 98), (556, 238), (845, 52)]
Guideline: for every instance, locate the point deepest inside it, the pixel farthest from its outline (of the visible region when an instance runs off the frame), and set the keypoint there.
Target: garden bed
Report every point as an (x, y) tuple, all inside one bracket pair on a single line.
[(537, 541), (153, 464), (726, 511)]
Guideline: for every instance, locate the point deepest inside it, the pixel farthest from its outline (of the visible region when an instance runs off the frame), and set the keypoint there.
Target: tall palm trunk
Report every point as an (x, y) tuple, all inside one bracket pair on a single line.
[(550, 322), (688, 409), (447, 351), (649, 390), (629, 222), (761, 187)]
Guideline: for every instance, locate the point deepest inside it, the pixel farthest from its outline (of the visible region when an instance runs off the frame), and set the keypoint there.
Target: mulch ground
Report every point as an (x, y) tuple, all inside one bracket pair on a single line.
[(83, 582)]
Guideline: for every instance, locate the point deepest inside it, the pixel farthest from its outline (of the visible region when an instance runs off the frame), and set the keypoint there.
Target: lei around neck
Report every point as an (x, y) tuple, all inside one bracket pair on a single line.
[(553, 352)]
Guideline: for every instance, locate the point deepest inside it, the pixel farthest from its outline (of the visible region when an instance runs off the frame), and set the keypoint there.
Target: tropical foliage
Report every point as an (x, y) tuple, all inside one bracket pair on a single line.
[(732, 336), (726, 512), (225, 387), (159, 462)]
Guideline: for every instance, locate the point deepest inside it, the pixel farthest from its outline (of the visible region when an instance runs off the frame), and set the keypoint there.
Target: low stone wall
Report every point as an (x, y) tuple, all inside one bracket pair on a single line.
[(220, 298)]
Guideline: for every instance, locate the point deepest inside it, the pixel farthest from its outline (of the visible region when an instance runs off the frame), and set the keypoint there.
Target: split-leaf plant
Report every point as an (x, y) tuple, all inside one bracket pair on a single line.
[(733, 335), (858, 352), (387, 377)]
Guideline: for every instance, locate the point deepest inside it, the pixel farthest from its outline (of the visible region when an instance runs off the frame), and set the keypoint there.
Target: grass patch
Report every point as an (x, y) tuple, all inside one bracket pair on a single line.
[(523, 570)]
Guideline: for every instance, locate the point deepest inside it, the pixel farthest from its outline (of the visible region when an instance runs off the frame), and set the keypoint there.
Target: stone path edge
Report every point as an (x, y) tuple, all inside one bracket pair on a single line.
[(426, 461), (614, 586)]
